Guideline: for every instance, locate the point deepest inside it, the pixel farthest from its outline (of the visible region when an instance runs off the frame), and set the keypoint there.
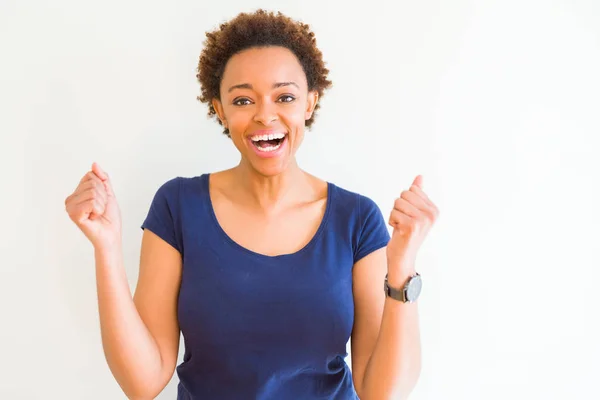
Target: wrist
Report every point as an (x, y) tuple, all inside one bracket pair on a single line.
[(108, 253), (397, 277)]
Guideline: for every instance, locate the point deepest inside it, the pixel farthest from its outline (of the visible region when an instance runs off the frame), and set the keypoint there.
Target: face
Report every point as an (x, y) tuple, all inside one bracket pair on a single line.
[(264, 103)]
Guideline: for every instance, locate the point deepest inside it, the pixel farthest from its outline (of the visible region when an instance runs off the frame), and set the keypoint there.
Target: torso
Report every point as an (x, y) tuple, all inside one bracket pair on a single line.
[(285, 231), (279, 326)]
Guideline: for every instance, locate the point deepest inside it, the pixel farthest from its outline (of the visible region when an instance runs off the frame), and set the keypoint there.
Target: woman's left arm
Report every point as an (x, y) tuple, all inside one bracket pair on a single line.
[(386, 346), (386, 351)]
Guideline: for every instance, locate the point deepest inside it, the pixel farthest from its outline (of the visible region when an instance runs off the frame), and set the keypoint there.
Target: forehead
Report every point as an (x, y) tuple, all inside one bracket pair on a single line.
[(261, 67)]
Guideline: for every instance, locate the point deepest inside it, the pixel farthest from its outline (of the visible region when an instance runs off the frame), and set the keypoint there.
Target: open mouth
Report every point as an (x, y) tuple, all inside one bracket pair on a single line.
[(268, 143)]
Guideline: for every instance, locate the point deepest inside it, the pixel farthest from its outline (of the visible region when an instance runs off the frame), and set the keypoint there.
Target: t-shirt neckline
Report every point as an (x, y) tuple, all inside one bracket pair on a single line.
[(205, 178)]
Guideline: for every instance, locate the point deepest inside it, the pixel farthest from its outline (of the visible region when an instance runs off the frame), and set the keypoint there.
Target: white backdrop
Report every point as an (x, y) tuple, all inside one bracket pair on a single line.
[(495, 103)]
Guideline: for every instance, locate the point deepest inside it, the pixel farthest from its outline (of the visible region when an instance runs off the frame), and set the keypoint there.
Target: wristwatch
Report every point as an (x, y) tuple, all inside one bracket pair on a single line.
[(409, 293)]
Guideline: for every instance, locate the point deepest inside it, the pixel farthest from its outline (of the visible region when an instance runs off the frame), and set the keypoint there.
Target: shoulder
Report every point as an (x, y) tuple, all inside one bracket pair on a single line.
[(172, 190), (167, 190), (173, 186), (356, 203), (360, 215)]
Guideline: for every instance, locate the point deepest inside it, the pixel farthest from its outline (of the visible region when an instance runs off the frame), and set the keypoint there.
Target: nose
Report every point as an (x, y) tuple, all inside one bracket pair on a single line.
[(266, 112)]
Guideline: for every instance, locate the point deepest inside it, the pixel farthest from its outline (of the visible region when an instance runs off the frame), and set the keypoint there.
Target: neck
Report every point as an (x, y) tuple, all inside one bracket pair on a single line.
[(271, 193)]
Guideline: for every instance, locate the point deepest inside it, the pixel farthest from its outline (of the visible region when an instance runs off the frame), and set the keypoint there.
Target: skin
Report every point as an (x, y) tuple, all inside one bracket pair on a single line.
[(272, 194), (266, 184)]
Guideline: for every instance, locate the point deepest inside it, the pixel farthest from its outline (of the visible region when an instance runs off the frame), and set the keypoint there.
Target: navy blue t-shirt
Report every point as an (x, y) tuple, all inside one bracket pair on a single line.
[(257, 326)]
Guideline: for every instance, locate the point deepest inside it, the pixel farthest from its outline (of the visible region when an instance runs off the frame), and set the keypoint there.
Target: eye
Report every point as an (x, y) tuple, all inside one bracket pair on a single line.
[(287, 96), (236, 102), (243, 101)]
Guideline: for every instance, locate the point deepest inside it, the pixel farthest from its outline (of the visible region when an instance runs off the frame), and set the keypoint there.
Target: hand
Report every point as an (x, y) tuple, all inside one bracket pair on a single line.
[(412, 217), (94, 209)]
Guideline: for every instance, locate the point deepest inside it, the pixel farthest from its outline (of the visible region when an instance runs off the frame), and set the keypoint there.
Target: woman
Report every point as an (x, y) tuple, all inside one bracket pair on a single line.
[(267, 270)]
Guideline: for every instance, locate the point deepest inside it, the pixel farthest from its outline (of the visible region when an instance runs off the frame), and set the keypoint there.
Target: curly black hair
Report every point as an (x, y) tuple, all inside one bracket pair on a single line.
[(259, 29)]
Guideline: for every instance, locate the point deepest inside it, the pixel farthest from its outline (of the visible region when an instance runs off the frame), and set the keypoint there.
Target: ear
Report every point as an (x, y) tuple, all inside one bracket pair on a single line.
[(218, 106), (311, 103)]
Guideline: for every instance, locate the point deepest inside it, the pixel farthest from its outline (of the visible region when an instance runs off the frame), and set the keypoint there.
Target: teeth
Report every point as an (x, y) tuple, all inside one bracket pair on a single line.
[(268, 148), (268, 137)]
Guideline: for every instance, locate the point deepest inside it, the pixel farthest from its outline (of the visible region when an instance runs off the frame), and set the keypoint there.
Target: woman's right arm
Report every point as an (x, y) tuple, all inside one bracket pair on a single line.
[(140, 335)]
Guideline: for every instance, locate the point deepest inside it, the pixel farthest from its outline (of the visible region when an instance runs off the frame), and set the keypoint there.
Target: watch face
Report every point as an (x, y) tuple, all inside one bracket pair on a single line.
[(414, 288)]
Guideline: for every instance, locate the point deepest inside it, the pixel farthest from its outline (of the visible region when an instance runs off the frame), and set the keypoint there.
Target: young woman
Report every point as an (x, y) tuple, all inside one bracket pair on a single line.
[(267, 270)]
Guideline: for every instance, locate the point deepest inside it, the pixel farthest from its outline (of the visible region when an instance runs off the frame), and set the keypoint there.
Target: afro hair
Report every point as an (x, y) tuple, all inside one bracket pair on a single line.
[(259, 29)]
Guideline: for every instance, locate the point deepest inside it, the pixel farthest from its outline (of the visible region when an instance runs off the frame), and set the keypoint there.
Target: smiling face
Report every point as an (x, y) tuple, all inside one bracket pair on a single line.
[(264, 103)]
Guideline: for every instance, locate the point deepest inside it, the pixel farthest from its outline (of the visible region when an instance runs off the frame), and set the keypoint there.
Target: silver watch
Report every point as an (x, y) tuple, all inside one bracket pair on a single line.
[(409, 293)]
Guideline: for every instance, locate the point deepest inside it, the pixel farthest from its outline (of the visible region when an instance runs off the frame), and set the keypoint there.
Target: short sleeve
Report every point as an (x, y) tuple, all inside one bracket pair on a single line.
[(374, 233), (163, 215)]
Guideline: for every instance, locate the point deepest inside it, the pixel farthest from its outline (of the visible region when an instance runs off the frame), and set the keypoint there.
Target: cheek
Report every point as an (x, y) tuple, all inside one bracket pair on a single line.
[(238, 118), (300, 109), (295, 115)]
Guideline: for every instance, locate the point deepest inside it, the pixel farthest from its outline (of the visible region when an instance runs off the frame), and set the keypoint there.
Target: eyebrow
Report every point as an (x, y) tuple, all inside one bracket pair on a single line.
[(275, 85)]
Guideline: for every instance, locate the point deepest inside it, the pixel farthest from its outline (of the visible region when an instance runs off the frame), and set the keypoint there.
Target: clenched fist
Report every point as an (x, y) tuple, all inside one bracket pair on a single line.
[(94, 209), (412, 217)]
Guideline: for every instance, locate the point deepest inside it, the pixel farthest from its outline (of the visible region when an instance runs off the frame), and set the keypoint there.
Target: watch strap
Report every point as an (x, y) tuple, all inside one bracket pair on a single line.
[(397, 294)]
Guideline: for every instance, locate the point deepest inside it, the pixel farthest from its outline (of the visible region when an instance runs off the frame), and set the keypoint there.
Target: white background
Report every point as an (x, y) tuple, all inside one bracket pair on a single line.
[(495, 103)]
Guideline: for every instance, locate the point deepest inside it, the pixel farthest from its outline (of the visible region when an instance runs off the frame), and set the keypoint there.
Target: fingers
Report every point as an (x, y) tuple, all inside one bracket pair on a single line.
[(91, 190), (413, 210), (97, 174), (90, 176), (399, 220), (415, 200), (405, 206), (88, 190), (103, 176), (99, 171), (415, 206), (418, 191), (97, 209), (86, 202), (89, 198), (427, 205)]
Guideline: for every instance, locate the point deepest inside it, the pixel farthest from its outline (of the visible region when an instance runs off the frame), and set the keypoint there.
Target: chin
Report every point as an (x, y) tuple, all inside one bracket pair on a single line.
[(269, 170)]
